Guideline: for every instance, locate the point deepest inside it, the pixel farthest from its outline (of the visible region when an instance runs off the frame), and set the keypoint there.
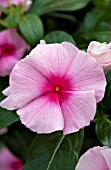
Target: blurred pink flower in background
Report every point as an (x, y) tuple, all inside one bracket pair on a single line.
[(12, 48), (8, 161), (56, 87), (97, 158), (5, 3), (101, 52)]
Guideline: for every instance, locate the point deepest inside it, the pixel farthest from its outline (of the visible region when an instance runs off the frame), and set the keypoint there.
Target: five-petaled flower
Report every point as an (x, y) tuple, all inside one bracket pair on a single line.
[(101, 52), (12, 49), (56, 87), (97, 158)]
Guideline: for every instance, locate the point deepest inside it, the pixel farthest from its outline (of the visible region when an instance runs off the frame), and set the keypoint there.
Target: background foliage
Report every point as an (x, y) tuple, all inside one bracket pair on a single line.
[(76, 21)]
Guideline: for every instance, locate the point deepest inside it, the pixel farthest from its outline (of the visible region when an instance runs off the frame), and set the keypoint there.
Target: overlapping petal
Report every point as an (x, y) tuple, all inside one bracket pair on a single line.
[(78, 109), (107, 156), (27, 83), (86, 74), (43, 115), (101, 52)]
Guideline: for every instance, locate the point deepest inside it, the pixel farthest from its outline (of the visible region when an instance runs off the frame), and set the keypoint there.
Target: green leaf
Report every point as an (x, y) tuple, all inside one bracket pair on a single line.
[(13, 19), (7, 117), (31, 28), (92, 18), (18, 140), (4, 10), (58, 37), (41, 7), (54, 152), (103, 131), (103, 3)]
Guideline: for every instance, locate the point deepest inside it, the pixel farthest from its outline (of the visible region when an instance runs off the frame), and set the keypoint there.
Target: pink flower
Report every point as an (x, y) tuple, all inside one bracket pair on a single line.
[(5, 3), (97, 158), (12, 49), (55, 88), (101, 52), (8, 161)]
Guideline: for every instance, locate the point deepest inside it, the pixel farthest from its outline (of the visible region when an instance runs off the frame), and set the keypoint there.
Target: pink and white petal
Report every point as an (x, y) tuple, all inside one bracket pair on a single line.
[(106, 66), (27, 83), (19, 53), (92, 160), (43, 115), (3, 3), (53, 59), (78, 109), (8, 103), (6, 65), (7, 91), (97, 47), (102, 58), (17, 2), (86, 73), (107, 156)]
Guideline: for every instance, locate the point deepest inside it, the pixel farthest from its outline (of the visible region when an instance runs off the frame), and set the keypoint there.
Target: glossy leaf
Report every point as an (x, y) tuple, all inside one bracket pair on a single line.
[(91, 19), (41, 7), (103, 131), (103, 3), (31, 28), (58, 37), (7, 117), (18, 140), (13, 19), (54, 151)]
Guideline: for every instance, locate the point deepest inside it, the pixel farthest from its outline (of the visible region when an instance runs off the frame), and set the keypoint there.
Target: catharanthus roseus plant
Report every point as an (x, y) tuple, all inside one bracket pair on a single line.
[(64, 84), (55, 85)]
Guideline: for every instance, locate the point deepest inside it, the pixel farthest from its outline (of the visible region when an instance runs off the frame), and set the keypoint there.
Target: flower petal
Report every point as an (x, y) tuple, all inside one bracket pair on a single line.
[(41, 115), (6, 92), (107, 156), (92, 160), (78, 109), (86, 73), (8, 103), (53, 59), (6, 65), (10, 36), (100, 51), (27, 83)]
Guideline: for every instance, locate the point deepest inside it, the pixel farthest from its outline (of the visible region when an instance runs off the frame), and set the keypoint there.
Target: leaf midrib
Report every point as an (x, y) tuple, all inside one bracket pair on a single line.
[(56, 149)]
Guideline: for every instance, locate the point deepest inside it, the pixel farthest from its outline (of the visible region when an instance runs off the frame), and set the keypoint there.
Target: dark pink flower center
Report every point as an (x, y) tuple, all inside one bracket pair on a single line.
[(7, 50), (17, 165), (58, 86)]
